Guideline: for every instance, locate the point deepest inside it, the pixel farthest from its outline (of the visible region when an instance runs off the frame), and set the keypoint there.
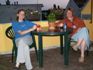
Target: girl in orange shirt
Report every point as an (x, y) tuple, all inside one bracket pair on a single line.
[(79, 33)]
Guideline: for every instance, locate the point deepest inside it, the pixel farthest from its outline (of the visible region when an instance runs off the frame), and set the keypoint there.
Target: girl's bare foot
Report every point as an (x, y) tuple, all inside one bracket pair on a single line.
[(81, 59)]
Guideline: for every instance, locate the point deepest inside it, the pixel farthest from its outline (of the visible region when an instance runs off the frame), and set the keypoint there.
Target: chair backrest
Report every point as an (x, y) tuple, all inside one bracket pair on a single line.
[(9, 32)]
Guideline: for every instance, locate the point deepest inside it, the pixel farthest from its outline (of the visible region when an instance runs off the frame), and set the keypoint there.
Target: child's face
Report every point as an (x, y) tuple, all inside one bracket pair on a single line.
[(21, 15), (69, 14)]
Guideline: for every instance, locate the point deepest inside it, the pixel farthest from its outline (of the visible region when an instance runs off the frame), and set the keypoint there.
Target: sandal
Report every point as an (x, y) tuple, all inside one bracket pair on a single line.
[(75, 48)]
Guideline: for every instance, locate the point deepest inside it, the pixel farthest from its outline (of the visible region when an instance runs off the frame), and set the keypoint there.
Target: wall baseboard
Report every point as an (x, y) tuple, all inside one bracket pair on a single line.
[(31, 50)]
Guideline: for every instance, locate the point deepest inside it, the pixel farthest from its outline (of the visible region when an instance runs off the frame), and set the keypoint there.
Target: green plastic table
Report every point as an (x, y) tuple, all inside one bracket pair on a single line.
[(64, 48)]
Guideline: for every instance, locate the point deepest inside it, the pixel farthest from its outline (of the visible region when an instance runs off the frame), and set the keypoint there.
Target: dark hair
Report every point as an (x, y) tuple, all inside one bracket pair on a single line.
[(70, 9), (18, 13)]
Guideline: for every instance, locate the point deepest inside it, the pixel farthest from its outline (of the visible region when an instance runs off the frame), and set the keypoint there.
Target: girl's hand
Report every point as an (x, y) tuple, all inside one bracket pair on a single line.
[(60, 25)]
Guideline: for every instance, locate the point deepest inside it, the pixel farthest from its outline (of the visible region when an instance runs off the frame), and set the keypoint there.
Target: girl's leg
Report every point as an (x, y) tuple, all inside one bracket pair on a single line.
[(82, 49), (20, 52), (75, 47), (23, 55), (28, 63)]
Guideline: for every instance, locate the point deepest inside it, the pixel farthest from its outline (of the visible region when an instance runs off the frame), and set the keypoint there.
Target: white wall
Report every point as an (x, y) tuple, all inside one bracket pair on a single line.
[(47, 3), (20, 1)]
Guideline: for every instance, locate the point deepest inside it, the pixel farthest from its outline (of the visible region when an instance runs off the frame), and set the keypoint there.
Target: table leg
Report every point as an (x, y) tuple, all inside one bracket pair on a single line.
[(40, 51), (34, 44), (61, 44), (66, 49)]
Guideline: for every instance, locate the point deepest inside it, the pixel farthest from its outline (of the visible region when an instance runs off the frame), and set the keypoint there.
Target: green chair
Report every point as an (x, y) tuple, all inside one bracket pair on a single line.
[(10, 34)]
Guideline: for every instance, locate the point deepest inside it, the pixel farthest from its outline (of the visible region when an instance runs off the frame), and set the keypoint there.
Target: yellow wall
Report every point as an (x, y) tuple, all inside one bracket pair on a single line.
[(6, 43), (48, 42), (87, 10), (90, 27)]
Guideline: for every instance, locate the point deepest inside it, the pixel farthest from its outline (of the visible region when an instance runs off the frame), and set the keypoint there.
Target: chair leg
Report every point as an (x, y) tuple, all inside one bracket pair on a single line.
[(34, 44), (12, 57), (36, 52), (13, 54)]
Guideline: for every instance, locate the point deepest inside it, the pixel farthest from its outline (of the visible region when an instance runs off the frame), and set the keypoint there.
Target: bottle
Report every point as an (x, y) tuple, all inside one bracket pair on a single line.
[(65, 27)]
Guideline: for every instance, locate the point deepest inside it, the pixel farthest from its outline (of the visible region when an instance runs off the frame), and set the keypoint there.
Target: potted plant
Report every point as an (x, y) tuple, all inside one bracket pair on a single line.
[(51, 20)]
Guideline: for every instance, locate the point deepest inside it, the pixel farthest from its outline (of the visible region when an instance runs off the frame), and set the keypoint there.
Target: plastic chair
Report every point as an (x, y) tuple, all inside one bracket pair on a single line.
[(10, 34)]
